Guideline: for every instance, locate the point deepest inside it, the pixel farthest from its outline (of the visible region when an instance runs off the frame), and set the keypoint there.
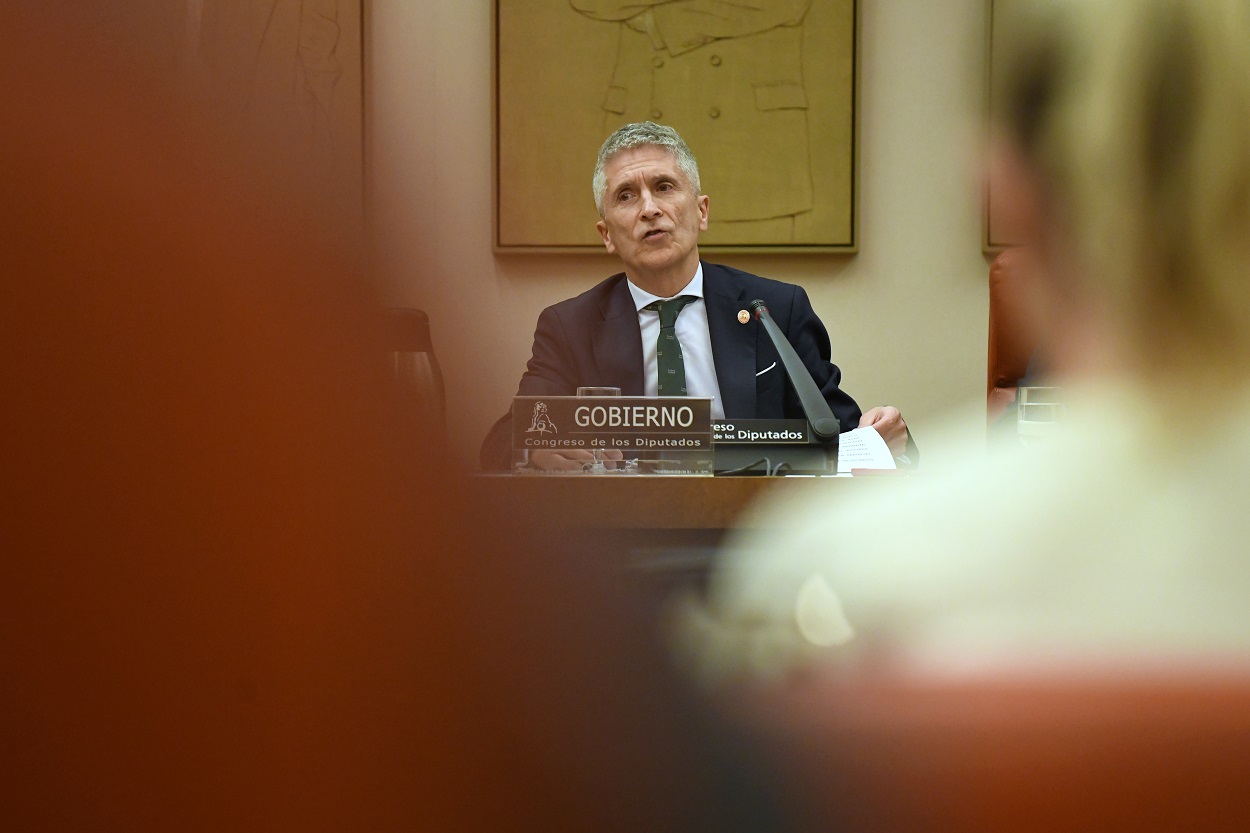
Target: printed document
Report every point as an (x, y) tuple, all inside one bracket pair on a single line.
[(863, 448)]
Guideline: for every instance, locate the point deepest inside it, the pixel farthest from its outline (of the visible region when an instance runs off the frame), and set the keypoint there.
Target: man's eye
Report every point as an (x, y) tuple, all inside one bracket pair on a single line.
[(664, 186)]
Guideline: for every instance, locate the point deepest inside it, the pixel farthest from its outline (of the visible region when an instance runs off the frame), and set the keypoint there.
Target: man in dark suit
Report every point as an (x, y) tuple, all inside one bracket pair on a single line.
[(647, 190)]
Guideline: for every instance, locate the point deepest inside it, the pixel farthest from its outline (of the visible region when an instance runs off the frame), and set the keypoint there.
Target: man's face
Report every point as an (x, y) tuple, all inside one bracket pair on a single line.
[(652, 216)]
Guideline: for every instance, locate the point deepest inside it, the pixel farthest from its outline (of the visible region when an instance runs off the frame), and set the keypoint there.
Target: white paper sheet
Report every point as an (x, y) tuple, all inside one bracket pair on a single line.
[(863, 448)]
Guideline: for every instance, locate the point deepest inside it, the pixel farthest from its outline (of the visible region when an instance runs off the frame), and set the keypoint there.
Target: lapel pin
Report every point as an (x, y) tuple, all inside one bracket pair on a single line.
[(743, 316)]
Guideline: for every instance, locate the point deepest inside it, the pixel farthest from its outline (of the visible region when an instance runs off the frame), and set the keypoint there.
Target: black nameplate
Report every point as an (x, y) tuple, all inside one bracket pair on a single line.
[(761, 431), (630, 424)]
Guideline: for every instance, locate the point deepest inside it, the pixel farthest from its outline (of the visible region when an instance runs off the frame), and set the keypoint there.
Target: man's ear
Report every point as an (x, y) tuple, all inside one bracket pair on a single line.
[(602, 228), (702, 202)]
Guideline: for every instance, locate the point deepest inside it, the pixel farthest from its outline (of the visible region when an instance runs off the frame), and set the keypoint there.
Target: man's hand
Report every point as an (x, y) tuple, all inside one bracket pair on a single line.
[(888, 422), (574, 459)]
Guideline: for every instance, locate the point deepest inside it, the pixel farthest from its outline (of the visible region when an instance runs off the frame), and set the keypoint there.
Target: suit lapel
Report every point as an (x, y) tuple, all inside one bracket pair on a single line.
[(733, 343), (617, 343)]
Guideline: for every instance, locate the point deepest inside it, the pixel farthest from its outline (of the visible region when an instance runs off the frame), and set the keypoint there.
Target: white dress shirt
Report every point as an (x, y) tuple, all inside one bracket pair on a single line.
[(696, 342)]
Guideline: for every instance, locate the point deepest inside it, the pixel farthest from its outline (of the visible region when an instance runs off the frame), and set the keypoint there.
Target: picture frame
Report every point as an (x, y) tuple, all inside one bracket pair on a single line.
[(994, 234), (766, 98)]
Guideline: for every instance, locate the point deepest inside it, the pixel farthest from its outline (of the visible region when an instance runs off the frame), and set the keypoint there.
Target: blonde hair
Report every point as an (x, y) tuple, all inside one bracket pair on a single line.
[(1136, 113)]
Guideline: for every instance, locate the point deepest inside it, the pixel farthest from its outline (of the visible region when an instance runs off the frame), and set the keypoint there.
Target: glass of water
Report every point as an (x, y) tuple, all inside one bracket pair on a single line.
[(597, 467), (1039, 411)]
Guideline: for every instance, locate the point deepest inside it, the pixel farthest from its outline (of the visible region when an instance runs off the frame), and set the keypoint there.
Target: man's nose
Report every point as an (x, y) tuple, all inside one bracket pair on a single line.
[(650, 208)]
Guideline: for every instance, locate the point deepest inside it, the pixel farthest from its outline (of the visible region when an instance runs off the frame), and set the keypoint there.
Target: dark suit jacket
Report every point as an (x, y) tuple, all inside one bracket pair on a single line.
[(593, 339)]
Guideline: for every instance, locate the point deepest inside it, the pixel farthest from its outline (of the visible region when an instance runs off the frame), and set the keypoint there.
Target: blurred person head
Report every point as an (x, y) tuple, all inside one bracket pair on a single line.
[(1122, 159), (1121, 156), (1056, 639), (235, 594)]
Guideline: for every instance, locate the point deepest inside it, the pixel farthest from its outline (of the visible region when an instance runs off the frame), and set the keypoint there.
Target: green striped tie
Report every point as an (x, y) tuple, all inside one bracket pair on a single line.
[(668, 360)]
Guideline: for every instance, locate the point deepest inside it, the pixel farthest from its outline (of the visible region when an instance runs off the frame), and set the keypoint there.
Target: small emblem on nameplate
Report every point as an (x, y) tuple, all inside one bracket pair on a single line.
[(540, 423)]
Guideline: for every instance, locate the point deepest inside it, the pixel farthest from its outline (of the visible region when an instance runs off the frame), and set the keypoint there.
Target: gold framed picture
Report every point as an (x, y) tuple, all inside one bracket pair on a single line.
[(995, 234), (764, 93)]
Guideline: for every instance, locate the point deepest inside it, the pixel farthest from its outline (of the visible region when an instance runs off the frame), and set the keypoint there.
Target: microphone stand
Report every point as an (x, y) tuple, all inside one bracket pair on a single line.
[(825, 426)]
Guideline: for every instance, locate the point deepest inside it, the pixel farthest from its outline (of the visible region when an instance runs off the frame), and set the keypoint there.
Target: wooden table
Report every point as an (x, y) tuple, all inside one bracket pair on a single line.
[(663, 533), (655, 503)]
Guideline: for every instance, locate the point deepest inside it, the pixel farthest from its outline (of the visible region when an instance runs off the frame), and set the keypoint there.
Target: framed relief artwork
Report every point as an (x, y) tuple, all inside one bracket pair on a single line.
[(764, 93), (996, 235)]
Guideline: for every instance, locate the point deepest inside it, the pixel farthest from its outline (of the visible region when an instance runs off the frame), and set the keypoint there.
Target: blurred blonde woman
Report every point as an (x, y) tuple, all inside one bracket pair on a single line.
[(1120, 143)]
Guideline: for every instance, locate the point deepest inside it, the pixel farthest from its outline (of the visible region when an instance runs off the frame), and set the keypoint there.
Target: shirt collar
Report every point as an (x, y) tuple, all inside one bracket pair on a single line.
[(642, 297)]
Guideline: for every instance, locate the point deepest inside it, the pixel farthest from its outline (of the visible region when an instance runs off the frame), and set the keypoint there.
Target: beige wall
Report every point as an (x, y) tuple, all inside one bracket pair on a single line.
[(907, 315)]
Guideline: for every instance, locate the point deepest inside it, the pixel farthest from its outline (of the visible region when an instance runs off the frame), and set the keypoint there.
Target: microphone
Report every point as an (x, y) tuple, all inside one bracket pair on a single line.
[(824, 424)]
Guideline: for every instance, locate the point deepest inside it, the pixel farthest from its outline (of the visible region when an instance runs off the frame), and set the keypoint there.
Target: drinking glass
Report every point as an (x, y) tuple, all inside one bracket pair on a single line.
[(597, 467), (1039, 411)]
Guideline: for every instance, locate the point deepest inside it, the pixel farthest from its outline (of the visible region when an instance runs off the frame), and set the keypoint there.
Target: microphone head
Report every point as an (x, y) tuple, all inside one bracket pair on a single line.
[(759, 307), (825, 428)]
